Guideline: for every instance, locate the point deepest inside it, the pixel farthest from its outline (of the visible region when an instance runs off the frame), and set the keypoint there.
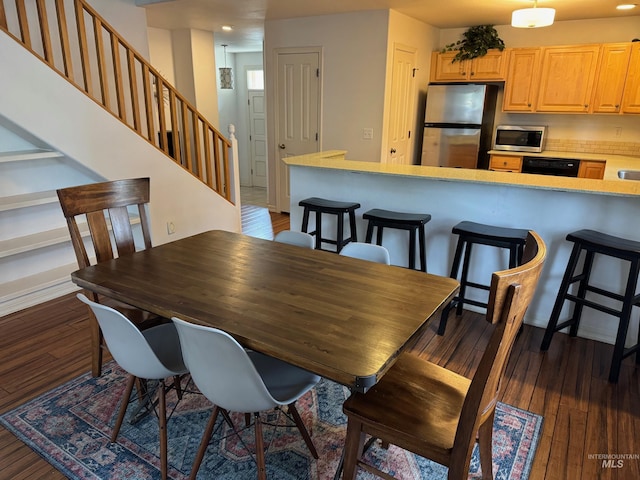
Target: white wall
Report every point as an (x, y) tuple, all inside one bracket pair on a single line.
[(352, 78), (128, 20)]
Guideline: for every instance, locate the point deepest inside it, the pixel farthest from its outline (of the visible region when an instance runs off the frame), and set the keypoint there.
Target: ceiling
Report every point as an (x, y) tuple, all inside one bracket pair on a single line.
[(248, 16)]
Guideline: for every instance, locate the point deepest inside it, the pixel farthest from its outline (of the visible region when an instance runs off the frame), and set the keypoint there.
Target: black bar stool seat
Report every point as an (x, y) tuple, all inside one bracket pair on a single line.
[(333, 207), (413, 222), (470, 233), (593, 242)]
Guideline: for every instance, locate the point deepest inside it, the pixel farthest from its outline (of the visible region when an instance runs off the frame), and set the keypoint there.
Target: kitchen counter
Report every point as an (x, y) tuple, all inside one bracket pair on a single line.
[(552, 206), (609, 185)]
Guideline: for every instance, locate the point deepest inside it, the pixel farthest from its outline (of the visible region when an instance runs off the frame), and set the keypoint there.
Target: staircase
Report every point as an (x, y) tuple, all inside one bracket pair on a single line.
[(57, 131)]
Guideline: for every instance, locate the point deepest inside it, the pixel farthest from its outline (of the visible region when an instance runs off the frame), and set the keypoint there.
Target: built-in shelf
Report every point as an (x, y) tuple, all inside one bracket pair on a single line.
[(28, 155), (38, 281)]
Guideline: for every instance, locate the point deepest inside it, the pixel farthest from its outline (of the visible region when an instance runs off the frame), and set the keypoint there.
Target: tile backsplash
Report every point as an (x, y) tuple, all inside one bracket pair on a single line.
[(630, 149)]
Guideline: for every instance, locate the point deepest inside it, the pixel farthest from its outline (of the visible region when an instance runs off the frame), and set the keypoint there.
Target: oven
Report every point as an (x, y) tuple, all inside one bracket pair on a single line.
[(551, 166)]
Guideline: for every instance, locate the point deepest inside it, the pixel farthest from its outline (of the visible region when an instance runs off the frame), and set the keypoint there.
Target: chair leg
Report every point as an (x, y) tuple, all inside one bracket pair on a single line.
[(485, 447), (123, 407), (262, 471), (97, 343), (353, 446), (303, 430), (204, 443), (162, 423)]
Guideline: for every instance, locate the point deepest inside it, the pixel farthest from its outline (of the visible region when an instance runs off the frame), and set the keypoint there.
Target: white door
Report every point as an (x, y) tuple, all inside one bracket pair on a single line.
[(298, 111), (402, 108), (257, 138)]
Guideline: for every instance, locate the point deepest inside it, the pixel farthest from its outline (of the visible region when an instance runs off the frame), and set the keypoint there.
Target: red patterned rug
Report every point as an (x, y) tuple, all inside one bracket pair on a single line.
[(70, 427)]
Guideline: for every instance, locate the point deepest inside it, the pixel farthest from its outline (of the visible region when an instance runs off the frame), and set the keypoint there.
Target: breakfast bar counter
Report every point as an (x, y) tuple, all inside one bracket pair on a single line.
[(552, 206)]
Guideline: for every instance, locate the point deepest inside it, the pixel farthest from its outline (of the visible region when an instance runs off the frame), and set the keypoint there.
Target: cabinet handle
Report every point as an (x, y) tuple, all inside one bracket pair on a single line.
[(473, 73), (528, 104)]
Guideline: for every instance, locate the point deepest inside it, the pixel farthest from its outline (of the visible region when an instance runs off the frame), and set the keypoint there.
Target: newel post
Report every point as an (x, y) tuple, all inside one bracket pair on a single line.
[(234, 165)]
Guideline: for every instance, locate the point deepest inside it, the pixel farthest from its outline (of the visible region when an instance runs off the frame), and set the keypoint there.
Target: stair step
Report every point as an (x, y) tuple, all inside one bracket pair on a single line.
[(37, 282), (28, 155), (47, 238), (27, 200)]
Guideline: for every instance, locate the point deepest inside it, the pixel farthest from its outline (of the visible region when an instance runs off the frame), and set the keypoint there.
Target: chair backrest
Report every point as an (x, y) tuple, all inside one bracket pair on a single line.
[(366, 251), (101, 200), (128, 346), (509, 297), (221, 369), (300, 239)]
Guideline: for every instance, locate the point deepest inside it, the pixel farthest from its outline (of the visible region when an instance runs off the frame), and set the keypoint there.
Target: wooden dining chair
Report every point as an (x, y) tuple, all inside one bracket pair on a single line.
[(434, 412), (110, 227)]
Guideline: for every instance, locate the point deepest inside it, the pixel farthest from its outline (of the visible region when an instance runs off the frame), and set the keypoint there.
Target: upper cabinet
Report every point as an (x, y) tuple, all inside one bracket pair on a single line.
[(631, 95), (610, 78), (567, 76), (522, 75), (490, 67)]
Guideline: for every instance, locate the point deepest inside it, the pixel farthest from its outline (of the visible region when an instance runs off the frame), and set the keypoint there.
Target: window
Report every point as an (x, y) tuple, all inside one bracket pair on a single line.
[(255, 79)]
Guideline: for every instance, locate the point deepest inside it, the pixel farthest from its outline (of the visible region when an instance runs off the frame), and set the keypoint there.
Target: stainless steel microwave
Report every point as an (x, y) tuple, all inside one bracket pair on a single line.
[(524, 138)]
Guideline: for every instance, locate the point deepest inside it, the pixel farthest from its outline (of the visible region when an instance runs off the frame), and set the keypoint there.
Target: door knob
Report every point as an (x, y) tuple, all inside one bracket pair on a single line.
[(393, 150), (281, 146)]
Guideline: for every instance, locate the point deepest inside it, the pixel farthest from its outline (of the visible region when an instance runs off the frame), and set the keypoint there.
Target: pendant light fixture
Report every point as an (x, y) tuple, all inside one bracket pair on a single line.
[(226, 81), (533, 17)]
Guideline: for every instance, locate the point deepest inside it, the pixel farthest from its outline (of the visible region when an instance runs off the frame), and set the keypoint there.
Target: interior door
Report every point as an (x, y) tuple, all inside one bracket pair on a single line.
[(298, 111), (258, 138), (402, 106)]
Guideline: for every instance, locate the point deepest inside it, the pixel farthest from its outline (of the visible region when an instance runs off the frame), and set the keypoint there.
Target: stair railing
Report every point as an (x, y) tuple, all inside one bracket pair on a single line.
[(95, 58)]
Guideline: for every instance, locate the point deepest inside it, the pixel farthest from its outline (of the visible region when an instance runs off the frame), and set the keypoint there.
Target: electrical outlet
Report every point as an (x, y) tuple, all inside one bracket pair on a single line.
[(367, 133), (618, 131), (171, 228)]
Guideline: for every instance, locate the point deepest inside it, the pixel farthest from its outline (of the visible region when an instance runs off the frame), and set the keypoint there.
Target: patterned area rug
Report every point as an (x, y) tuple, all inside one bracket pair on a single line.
[(70, 427)]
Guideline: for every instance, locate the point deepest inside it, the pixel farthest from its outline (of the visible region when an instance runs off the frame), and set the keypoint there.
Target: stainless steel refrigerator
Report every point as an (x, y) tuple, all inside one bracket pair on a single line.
[(458, 125)]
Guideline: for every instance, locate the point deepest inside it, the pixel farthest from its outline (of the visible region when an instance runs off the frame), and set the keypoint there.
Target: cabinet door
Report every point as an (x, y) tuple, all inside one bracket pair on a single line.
[(631, 96), (488, 67), (591, 169), (521, 82), (612, 71), (443, 70), (567, 78)]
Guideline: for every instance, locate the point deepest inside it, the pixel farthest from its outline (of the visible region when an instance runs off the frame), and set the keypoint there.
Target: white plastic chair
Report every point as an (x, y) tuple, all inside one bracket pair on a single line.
[(151, 354), (234, 379), (300, 239), (367, 251)]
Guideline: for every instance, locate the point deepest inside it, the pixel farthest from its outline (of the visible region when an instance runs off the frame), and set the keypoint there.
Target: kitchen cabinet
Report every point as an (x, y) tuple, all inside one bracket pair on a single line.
[(631, 96), (521, 81), (591, 169), (505, 163), (490, 67), (567, 77), (610, 77)]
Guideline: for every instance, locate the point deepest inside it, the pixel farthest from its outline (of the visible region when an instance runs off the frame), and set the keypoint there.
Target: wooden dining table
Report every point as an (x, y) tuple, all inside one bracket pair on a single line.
[(342, 318)]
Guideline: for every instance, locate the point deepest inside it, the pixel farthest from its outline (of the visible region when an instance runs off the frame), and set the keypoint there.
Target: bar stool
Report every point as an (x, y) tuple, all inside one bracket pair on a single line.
[(413, 222), (322, 205), (593, 242), (470, 233)]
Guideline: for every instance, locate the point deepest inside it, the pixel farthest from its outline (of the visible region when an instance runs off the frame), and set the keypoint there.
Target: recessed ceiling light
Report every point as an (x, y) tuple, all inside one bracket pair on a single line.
[(626, 6), (227, 28)]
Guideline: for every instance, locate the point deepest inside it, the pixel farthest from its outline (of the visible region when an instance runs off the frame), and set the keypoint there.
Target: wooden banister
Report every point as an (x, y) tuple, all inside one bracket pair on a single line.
[(100, 62)]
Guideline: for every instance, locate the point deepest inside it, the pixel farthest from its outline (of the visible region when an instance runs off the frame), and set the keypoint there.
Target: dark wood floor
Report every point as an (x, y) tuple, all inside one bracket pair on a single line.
[(46, 345)]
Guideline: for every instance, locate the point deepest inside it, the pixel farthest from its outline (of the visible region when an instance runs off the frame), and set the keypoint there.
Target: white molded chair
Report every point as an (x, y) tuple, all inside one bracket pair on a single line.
[(234, 379), (367, 251), (300, 239), (151, 354)]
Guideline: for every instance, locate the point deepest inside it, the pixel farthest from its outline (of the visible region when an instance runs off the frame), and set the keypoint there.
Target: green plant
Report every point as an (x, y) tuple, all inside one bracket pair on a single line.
[(475, 43)]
